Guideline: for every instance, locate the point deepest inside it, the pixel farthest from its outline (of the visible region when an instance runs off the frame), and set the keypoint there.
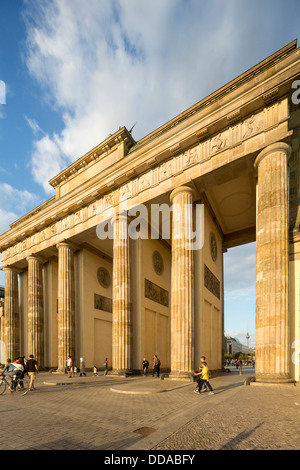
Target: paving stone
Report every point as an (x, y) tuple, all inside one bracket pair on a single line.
[(90, 415)]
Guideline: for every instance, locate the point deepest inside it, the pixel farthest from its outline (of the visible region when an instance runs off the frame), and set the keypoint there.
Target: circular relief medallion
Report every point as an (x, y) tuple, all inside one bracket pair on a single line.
[(103, 277), (213, 247), (158, 263)]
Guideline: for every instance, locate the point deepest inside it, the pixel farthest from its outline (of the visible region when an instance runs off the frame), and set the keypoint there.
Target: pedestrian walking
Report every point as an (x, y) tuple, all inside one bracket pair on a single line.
[(95, 371), (145, 366), (156, 366), (82, 367), (199, 375), (13, 370), (32, 369), (106, 366), (23, 361), (70, 367), (205, 379)]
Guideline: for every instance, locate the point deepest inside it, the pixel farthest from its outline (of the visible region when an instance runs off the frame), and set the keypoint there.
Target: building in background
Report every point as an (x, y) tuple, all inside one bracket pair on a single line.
[(234, 346)]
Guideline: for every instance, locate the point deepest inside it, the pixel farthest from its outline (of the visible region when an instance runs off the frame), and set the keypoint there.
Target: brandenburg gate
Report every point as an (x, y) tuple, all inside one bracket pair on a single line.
[(236, 153)]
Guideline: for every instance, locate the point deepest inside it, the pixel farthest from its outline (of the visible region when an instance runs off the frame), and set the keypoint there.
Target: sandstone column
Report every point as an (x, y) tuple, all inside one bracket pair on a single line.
[(182, 284), (35, 338), (122, 328), (11, 328), (66, 304), (272, 309)]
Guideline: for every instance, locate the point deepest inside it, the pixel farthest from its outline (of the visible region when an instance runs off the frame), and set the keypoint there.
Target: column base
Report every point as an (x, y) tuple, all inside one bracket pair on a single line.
[(181, 375), (122, 372), (59, 370), (273, 379)]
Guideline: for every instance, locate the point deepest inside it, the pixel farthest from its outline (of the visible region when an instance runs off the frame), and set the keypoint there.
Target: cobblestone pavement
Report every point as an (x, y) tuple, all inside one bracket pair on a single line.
[(256, 418), (118, 413)]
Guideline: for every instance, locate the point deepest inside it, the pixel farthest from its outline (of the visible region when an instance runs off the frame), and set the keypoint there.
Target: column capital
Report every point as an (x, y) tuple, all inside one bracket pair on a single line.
[(66, 244), (10, 269), (122, 216), (273, 148), (182, 189), (35, 257)]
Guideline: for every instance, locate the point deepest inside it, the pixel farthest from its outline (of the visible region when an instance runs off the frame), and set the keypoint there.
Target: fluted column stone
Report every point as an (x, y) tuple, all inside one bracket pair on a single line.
[(272, 281), (66, 304), (35, 314), (11, 319), (182, 284), (122, 327)]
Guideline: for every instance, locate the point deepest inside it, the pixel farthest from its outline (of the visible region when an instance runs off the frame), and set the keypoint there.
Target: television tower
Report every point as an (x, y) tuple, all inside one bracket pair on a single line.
[(247, 337)]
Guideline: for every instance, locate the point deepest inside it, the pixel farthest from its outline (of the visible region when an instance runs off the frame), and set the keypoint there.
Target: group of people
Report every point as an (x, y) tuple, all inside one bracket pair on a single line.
[(203, 378), (95, 370), (73, 370), (20, 366), (202, 375), (238, 362), (155, 366)]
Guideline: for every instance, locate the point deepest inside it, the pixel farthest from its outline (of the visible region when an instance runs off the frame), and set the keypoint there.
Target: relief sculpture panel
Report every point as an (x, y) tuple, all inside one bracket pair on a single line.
[(211, 282), (156, 293)]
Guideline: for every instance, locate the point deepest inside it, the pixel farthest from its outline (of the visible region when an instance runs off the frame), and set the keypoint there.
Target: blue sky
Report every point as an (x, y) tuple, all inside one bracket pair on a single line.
[(75, 71)]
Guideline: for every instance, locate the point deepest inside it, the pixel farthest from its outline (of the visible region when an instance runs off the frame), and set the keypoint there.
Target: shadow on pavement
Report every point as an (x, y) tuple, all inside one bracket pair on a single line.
[(243, 436)]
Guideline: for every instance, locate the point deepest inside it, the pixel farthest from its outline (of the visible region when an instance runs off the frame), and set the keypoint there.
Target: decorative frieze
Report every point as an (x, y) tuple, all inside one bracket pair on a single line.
[(271, 95), (202, 134), (102, 303), (156, 294), (233, 117), (253, 125), (211, 282)]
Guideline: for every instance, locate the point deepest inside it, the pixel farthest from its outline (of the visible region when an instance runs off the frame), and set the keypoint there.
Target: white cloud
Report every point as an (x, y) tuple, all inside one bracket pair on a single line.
[(34, 126), (46, 161), (6, 218), (2, 112), (2, 92), (15, 203), (239, 271), (115, 63)]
